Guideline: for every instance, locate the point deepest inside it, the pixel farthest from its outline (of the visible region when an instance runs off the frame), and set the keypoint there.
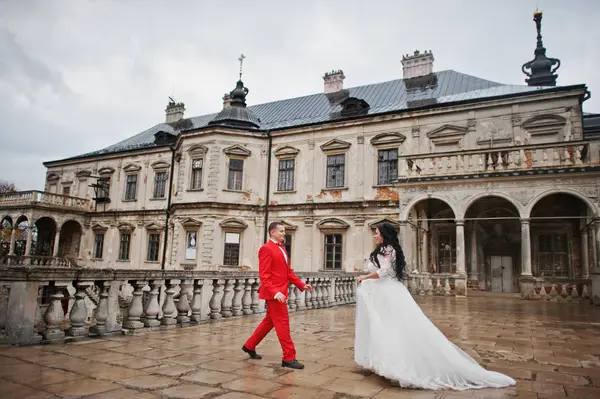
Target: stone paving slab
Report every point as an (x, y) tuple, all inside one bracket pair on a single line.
[(551, 349)]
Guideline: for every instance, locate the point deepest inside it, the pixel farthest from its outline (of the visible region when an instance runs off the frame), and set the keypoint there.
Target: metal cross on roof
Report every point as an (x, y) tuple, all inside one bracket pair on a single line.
[(241, 60)]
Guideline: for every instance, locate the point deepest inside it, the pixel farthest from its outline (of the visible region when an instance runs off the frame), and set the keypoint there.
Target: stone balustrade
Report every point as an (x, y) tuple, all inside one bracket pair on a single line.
[(101, 302), (38, 260), (433, 284), (500, 159), (33, 197), (578, 290)]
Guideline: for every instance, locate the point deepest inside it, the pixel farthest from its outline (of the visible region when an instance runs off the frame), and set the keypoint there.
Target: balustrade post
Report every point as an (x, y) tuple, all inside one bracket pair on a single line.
[(291, 302), (197, 302), (101, 313), (238, 292), (308, 295), (136, 308), (215, 300), (23, 312), (297, 296), (56, 242), (78, 314), (152, 306), (226, 302), (247, 297), (169, 310), (183, 305), (13, 238), (55, 315), (255, 300)]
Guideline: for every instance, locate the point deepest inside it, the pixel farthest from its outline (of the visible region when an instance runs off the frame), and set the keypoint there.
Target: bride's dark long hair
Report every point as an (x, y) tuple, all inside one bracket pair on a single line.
[(390, 237)]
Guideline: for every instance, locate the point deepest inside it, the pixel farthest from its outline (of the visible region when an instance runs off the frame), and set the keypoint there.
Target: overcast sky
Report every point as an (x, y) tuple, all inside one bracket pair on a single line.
[(79, 75)]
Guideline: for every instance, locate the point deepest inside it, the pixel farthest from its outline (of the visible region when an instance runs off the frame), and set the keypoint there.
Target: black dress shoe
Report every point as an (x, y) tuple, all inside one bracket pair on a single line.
[(252, 354), (294, 364)]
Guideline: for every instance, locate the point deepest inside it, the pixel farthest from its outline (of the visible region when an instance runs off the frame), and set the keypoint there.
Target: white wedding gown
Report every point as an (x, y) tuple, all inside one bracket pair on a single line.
[(395, 339)]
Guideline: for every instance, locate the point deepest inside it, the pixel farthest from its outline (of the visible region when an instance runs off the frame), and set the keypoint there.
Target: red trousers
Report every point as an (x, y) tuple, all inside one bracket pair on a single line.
[(277, 316)]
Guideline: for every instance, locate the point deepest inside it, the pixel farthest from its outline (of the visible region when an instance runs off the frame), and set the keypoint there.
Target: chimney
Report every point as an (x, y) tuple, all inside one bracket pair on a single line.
[(334, 81), (226, 100), (174, 111), (417, 64)]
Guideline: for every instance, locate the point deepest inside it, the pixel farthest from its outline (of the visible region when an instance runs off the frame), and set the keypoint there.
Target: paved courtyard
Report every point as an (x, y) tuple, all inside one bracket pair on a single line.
[(552, 349)]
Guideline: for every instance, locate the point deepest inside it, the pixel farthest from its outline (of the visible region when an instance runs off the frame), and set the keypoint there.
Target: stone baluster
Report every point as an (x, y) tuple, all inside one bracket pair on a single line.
[(78, 314), (152, 306), (291, 303), (315, 293), (577, 156), (511, 160), (183, 305), (352, 291), (238, 292), (101, 313), (320, 292), (567, 156), (447, 290), (585, 294), (247, 297), (197, 302), (430, 166), (308, 295), (345, 290), (553, 292), (545, 158), (574, 292), (429, 290), (169, 310), (326, 301), (422, 285), (298, 297), (215, 300), (136, 308), (255, 300), (563, 292), (54, 315), (227, 300)]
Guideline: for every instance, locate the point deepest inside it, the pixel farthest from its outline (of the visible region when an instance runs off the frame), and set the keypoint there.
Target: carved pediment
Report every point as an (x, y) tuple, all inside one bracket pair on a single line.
[(99, 227), (447, 135), (288, 226), (237, 150), (83, 173), (335, 145), (154, 226), (52, 177), (191, 223), (132, 168), (197, 149), (394, 223), (332, 224), (160, 165), (107, 170), (544, 124), (287, 152), (388, 139), (233, 224), (126, 227)]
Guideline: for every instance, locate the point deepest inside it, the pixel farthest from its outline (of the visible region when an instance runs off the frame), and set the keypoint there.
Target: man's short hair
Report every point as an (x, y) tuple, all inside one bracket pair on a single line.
[(274, 225)]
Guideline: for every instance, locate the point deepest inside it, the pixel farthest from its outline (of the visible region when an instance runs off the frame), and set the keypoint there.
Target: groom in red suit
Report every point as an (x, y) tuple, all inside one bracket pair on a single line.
[(275, 275)]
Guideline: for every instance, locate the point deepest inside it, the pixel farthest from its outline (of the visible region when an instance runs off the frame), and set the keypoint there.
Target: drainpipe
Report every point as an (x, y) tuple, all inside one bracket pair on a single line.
[(269, 146), (168, 210)]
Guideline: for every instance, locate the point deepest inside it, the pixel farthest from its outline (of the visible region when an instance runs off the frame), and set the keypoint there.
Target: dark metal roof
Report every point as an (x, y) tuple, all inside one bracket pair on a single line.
[(392, 96), (591, 124)]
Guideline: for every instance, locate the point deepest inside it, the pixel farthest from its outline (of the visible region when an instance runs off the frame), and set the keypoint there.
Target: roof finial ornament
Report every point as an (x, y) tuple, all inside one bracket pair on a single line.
[(241, 60), (542, 73)]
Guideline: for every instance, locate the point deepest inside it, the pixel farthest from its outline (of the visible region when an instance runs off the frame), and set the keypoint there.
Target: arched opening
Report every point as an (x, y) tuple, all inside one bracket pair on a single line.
[(561, 231), (6, 226), (46, 234), (70, 240), (22, 226), (432, 244), (493, 242)]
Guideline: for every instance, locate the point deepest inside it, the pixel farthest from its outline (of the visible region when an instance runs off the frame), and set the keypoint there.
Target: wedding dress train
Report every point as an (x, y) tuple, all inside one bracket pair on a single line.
[(395, 340)]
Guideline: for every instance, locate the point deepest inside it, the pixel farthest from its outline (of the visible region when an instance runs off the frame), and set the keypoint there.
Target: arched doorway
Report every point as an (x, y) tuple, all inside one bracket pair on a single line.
[(561, 228), (493, 240), (430, 243), (70, 240), (22, 226), (6, 226), (46, 234)]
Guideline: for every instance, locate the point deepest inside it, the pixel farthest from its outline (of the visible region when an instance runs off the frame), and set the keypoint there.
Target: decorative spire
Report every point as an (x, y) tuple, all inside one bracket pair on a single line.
[(241, 60), (542, 73)]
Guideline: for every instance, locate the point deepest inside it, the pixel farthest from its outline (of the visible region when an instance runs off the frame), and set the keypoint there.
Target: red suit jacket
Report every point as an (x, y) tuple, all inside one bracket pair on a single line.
[(274, 272)]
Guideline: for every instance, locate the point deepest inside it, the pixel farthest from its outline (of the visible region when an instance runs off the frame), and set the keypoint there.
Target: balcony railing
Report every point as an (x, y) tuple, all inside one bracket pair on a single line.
[(33, 197), (501, 159)]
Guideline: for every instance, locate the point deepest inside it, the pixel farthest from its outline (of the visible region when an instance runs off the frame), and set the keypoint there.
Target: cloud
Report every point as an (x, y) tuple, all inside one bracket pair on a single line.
[(77, 76)]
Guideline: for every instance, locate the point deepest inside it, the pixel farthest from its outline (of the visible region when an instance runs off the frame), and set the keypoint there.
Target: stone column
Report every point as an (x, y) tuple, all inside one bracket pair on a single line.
[(585, 256), (415, 248), (13, 237), (525, 248), (592, 234), (56, 241), (405, 242), (597, 241), (460, 281), (29, 238), (474, 273), (425, 265)]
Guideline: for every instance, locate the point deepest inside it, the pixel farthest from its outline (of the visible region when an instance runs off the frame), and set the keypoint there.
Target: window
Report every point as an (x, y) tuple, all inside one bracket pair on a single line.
[(160, 182), (131, 187), (446, 253), (333, 251), (153, 245), (124, 246), (197, 165), (66, 190), (335, 170), (102, 189), (285, 180), (232, 249), (288, 246), (387, 166), (52, 188), (236, 169), (98, 245), (191, 245), (553, 255)]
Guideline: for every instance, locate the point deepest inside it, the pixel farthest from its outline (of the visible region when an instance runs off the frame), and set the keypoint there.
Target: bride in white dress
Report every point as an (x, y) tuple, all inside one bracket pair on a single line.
[(395, 339)]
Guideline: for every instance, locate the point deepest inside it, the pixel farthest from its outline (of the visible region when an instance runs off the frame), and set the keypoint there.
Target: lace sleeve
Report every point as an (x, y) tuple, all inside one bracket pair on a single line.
[(386, 259)]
